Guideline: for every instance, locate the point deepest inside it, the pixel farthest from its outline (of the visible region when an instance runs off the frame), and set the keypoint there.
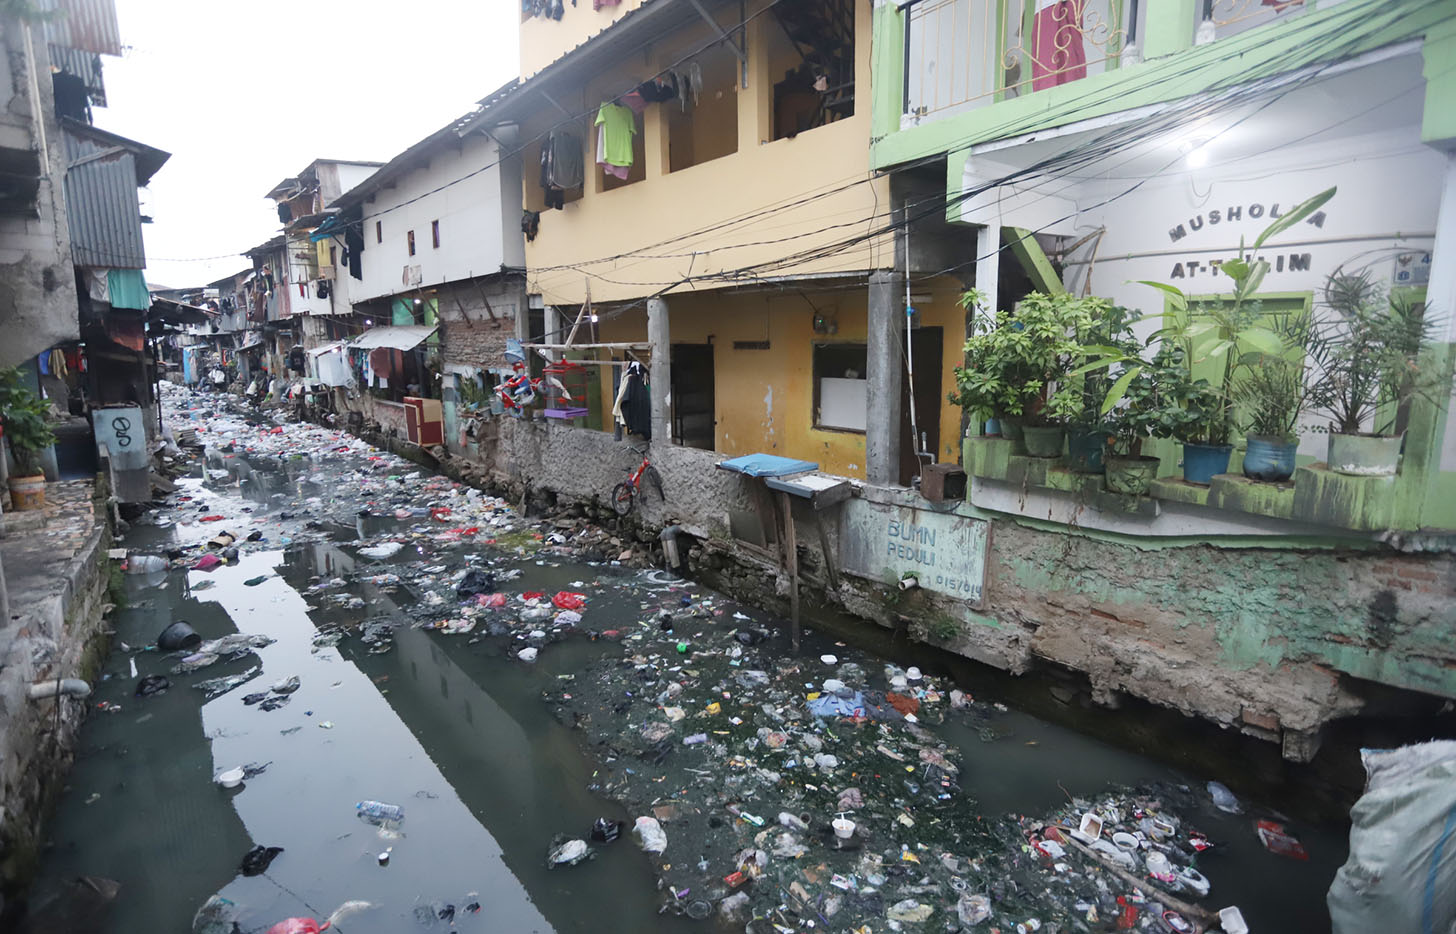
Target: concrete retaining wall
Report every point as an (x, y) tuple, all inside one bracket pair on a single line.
[(1272, 641), (58, 574)]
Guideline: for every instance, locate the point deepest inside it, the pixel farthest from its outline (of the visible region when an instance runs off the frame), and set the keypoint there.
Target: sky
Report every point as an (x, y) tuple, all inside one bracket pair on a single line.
[(245, 93)]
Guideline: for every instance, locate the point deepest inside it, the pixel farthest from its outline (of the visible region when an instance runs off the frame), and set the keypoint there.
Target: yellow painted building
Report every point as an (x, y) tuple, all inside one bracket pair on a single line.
[(750, 208)]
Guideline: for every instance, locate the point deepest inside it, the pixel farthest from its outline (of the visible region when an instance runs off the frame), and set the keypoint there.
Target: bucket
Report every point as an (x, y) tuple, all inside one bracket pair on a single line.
[(27, 493), (1269, 459), (1202, 461), (843, 827), (1354, 455), (178, 636), (1043, 440), (1084, 451), (1131, 475)]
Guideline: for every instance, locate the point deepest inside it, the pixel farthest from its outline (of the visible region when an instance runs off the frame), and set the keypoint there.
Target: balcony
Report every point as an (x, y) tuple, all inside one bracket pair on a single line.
[(964, 54)]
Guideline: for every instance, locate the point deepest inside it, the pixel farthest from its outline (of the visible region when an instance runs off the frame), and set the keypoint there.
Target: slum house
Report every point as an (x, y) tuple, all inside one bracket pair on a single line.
[(317, 297), (1116, 141), (737, 197), (436, 270)]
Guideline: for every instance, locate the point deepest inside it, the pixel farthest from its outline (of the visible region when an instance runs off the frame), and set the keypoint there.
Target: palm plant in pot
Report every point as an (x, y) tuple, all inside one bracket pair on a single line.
[(1367, 369), (24, 416), (1017, 365), (1090, 434), (1271, 397)]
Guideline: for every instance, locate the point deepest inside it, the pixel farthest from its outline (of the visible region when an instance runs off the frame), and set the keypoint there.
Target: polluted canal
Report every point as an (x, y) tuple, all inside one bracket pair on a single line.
[(411, 708)]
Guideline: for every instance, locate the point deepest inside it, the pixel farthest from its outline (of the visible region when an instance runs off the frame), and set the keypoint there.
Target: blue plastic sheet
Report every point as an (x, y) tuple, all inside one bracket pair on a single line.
[(832, 705), (767, 465)]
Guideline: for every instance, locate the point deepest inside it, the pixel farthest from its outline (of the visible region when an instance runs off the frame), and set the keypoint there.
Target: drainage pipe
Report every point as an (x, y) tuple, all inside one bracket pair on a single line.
[(71, 687)]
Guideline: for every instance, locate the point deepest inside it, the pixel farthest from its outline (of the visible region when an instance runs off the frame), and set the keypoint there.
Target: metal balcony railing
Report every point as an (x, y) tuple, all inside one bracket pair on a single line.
[(962, 54)]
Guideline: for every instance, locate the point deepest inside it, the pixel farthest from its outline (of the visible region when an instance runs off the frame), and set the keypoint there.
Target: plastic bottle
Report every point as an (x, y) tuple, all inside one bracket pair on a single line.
[(145, 564), (378, 810)]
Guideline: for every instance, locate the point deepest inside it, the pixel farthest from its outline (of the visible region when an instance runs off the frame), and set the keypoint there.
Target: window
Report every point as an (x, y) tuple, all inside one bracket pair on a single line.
[(379, 231), (435, 233), (840, 387), (410, 240), (708, 127), (333, 256), (811, 62)]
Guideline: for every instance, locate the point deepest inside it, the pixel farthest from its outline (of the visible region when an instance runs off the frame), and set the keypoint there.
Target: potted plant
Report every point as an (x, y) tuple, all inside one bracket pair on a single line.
[(1129, 421), (1367, 370), (1271, 396), (24, 417), (1228, 336), (1017, 366), (1090, 433)]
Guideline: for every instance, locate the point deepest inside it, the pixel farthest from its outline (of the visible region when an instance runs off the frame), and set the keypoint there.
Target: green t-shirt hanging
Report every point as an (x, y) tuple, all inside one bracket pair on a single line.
[(618, 125)]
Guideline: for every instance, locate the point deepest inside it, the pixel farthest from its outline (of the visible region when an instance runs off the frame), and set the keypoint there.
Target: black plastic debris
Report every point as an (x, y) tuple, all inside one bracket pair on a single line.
[(152, 684), (257, 860)]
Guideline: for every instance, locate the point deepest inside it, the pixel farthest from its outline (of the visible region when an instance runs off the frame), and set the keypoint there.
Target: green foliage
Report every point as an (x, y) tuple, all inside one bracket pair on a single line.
[(942, 627), (1275, 388), (1020, 365), (1367, 355), (24, 414), (1226, 334)]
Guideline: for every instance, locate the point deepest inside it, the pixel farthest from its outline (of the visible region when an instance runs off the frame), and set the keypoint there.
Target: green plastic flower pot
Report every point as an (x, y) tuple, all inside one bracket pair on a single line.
[(1131, 475), (1044, 441)]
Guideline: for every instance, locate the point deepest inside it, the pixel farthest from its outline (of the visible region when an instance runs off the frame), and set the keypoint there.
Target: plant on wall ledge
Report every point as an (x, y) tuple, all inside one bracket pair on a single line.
[(1367, 369), (1018, 365)]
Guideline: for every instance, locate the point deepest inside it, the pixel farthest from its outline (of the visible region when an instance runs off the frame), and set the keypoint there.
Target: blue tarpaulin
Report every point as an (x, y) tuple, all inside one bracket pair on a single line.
[(767, 465), (127, 288)]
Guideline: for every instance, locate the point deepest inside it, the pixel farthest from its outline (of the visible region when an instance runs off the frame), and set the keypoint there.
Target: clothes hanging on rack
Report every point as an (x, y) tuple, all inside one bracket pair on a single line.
[(689, 84), (562, 166), (616, 126), (633, 408), (658, 90)]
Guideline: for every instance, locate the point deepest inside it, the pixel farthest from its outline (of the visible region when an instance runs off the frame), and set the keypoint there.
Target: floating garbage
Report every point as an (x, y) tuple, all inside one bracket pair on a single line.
[(1223, 799), (649, 835), (217, 687), (564, 852), (381, 551), (259, 858)]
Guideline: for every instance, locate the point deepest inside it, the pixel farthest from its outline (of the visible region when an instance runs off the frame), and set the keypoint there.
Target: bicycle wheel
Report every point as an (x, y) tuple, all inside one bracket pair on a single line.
[(656, 479), (622, 498)]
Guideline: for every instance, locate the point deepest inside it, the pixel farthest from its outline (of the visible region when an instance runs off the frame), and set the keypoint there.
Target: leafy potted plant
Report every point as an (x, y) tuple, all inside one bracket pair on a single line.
[(1367, 369), (1089, 434), (1227, 335), (1017, 366), (1130, 421), (1272, 395), (24, 416)]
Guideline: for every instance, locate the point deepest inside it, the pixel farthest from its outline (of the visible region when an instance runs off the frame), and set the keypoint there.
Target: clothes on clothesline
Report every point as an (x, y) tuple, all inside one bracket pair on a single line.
[(562, 166), (633, 407), (616, 126)]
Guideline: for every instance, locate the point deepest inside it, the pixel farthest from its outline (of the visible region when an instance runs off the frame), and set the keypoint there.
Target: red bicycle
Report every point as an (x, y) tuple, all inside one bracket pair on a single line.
[(624, 494)]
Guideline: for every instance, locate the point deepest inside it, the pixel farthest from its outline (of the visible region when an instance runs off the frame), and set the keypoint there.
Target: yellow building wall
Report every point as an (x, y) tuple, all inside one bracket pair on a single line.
[(544, 40), (765, 398), (640, 239)]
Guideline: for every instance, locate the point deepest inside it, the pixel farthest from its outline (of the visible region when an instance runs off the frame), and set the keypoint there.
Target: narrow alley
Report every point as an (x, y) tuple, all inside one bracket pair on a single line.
[(379, 633)]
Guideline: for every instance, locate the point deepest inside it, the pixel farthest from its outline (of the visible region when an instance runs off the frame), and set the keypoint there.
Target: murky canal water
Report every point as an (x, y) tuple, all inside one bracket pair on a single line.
[(456, 732)]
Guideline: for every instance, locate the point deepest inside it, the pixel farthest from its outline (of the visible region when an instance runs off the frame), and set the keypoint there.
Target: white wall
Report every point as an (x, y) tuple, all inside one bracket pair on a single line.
[(479, 221)]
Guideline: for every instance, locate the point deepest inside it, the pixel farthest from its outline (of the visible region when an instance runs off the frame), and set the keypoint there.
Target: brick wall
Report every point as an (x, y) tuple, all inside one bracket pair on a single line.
[(468, 334)]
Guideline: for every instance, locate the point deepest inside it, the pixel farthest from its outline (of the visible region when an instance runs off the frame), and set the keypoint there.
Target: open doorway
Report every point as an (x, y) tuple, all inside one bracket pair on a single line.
[(693, 421), (926, 345)]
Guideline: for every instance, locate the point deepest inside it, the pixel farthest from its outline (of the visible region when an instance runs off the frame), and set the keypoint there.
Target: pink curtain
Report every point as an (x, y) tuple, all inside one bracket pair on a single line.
[(1058, 56)]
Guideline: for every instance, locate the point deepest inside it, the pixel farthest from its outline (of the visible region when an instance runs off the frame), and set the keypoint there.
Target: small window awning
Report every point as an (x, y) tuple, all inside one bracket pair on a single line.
[(327, 348), (399, 337), (766, 465)]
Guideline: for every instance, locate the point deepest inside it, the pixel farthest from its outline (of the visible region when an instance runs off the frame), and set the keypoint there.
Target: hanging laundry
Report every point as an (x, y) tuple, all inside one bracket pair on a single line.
[(689, 84), (602, 4), (530, 224), (659, 89), (617, 171), (633, 406), (618, 125), (562, 166), (1057, 53)]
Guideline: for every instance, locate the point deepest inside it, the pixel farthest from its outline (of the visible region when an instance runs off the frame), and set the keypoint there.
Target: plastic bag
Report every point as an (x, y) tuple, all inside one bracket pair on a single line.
[(1401, 874), (649, 835), (566, 600), (296, 926)]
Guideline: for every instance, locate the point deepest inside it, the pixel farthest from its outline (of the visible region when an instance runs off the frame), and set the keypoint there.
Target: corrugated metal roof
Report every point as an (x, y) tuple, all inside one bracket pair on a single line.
[(402, 337), (89, 25), (103, 171)]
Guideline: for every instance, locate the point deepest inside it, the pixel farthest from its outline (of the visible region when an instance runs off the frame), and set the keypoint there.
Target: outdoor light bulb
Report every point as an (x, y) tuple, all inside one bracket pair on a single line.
[(594, 318), (1195, 151), (369, 322), (417, 301)]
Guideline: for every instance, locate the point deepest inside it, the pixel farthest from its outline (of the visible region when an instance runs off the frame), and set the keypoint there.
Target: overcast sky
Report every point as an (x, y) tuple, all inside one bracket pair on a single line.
[(244, 93)]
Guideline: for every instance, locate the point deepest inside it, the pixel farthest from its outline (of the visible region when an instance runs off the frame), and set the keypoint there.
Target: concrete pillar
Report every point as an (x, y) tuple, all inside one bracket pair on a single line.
[(659, 336), (555, 333), (988, 265), (884, 335)]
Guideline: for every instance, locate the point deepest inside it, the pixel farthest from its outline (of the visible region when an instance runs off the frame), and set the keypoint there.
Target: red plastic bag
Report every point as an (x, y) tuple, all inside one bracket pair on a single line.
[(532, 595), (1277, 840), (296, 926), (210, 519), (566, 600), (440, 514), (207, 562), (492, 600)]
